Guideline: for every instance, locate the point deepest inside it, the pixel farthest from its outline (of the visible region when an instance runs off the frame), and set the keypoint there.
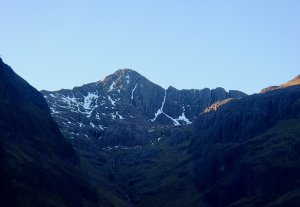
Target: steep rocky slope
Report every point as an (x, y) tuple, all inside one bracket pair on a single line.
[(39, 167), (125, 106), (238, 153), (246, 152)]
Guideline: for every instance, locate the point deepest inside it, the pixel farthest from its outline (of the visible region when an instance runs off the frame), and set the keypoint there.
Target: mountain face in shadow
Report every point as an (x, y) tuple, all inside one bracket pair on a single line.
[(39, 167), (246, 152), (237, 153), (179, 148)]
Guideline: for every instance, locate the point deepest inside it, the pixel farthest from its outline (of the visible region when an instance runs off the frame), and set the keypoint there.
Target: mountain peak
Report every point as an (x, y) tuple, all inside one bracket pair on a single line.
[(125, 70), (122, 76)]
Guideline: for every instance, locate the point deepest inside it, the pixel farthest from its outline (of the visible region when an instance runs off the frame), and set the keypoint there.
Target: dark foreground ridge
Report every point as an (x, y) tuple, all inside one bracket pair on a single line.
[(39, 167)]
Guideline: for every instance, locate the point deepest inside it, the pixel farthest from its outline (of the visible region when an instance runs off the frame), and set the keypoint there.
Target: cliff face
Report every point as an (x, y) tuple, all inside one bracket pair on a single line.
[(126, 103), (246, 151)]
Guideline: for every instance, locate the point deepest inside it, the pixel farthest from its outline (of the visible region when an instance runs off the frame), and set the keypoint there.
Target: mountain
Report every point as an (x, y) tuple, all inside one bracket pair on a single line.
[(39, 167), (134, 144), (125, 106), (237, 153), (246, 151)]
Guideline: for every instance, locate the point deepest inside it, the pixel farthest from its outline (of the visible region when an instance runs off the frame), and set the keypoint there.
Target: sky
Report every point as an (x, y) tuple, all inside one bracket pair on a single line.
[(246, 45)]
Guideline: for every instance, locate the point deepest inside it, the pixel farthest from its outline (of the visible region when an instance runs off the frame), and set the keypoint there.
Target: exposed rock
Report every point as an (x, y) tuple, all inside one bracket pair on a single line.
[(91, 110), (125, 134), (270, 88), (293, 82), (216, 106)]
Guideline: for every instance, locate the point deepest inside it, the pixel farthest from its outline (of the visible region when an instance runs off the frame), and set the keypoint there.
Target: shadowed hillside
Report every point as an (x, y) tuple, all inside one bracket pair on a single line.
[(38, 165)]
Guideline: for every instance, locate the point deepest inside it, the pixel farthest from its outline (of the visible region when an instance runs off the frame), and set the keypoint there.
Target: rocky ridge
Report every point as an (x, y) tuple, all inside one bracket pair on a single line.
[(125, 105), (295, 81)]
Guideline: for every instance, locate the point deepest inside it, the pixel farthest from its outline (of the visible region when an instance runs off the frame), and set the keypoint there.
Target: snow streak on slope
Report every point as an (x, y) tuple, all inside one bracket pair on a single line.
[(127, 78), (120, 117), (133, 90), (160, 111), (112, 86), (183, 117), (175, 121), (112, 101)]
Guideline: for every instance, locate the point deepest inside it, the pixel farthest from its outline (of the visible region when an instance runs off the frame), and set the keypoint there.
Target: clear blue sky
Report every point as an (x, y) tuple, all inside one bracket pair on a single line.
[(244, 45)]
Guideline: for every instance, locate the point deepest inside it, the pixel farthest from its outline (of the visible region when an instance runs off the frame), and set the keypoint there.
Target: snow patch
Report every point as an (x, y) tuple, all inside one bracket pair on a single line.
[(69, 100), (98, 116), (183, 117), (175, 121), (133, 90), (116, 115), (112, 86), (120, 117), (72, 103), (160, 111), (88, 100), (127, 78), (53, 111), (112, 101), (113, 116)]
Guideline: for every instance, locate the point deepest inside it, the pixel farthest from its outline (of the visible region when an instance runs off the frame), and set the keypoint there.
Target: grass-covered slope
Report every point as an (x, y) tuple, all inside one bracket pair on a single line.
[(157, 174), (272, 164)]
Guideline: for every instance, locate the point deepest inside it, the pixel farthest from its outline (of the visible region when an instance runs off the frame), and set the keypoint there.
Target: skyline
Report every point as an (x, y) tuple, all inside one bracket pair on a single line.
[(236, 45), (165, 87)]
